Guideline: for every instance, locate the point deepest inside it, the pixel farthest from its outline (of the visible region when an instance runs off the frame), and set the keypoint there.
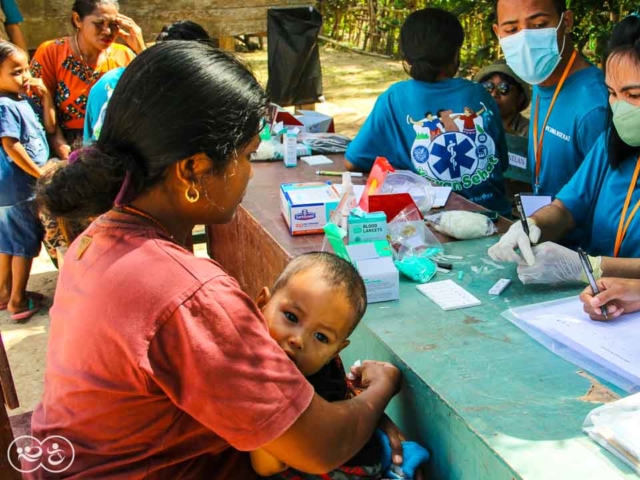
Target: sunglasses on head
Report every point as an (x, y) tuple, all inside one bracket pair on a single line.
[(502, 88)]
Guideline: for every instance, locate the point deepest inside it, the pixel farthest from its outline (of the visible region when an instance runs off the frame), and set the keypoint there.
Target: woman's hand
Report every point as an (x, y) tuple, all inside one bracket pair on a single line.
[(131, 32), (556, 264), (517, 239), (619, 295), (372, 373)]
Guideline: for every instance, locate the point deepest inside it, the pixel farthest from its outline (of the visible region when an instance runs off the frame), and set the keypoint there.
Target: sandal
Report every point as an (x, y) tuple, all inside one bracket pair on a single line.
[(35, 295), (34, 306)]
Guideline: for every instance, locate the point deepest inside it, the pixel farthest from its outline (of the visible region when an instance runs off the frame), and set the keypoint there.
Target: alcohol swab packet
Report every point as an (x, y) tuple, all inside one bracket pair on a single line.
[(350, 375)]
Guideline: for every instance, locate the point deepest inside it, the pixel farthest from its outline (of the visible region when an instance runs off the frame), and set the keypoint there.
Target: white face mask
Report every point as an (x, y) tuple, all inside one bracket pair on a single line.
[(626, 119), (533, 54)]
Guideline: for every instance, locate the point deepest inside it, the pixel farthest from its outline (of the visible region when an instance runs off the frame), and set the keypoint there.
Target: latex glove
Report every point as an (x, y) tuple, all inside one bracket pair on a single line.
[(556, 264), (505, 249)]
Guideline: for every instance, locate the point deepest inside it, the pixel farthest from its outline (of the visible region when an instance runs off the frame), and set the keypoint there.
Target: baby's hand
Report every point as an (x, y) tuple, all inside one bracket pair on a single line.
[(38, 86)]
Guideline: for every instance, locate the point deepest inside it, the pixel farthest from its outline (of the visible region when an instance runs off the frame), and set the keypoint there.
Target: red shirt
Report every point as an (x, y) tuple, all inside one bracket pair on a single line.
[(157, 361)]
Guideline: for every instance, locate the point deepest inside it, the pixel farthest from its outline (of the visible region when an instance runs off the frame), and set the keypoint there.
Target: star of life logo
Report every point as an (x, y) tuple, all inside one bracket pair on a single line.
[(55, 454), (454, 149)]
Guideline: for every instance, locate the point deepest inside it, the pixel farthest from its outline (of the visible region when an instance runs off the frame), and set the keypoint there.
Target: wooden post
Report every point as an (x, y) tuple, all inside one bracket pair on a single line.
[(6, 380), (6, 438), (227, 43)]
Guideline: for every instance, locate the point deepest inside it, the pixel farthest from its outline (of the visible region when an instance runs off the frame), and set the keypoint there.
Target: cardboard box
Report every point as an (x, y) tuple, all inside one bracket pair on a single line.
[(375, 263), (307, 120), (367, 228), (307, 207)]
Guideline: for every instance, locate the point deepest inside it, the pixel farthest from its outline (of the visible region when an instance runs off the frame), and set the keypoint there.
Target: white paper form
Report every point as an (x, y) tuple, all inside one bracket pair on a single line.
[(532, 203), (609, 349), (442, 195)]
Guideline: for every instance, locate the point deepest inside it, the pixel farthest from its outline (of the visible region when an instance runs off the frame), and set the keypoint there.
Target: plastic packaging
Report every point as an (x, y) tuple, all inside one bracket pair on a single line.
[(410, 237), (347, 202), (325, 143), (379, 171), (616, 427), (418, 269), (404, 181), (462, 225)]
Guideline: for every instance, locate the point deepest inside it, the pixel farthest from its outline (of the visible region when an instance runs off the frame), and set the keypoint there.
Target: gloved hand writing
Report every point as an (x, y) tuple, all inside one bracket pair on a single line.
[(505, 249), (556, 264)]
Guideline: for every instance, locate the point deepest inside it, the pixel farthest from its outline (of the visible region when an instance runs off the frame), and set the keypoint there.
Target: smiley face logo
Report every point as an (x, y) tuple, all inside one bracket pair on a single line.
[(55, 454)]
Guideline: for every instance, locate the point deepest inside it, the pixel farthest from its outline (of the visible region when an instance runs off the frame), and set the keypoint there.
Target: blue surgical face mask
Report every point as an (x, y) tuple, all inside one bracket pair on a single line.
[(533, 54)]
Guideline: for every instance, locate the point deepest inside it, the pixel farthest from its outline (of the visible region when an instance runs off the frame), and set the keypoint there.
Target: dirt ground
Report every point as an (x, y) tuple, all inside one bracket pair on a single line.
[(352, 82)]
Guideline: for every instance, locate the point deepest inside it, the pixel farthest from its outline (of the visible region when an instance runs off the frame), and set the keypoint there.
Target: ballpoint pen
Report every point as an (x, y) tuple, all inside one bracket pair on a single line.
[(523, 217), (588, 270), (330, 173)]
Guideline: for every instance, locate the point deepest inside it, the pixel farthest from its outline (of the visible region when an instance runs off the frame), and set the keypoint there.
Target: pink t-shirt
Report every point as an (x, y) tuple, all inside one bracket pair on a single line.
[(157, 362)]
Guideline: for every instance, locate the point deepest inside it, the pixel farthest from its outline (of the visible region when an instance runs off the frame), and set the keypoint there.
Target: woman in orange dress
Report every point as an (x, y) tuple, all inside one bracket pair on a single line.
[(71, 65)]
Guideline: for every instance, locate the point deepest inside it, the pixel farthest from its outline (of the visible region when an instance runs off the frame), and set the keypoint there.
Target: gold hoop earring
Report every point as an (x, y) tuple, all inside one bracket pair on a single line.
[(192, 198)]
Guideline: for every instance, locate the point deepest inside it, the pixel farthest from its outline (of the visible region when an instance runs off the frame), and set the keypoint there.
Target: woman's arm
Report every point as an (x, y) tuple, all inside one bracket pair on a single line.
[(59, 144), (48, 108), (554, 220), (19, 155), (265, 464), (352, 421), (16, 36), (351, 167), (621, 267)]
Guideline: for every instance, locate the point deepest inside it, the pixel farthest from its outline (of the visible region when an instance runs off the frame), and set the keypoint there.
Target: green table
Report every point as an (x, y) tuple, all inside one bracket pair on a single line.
[(487, 400)]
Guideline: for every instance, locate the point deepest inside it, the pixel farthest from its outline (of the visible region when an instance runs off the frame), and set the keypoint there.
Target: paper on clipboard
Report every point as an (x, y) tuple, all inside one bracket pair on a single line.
[(532, 203), (442, 195), (608, 349)]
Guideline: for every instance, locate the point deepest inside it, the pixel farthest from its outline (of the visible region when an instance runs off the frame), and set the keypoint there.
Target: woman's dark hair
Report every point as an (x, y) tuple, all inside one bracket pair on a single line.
[(7, 49), (429, 40), (624, 42), (86, 7), (176, 99), (182, 30)]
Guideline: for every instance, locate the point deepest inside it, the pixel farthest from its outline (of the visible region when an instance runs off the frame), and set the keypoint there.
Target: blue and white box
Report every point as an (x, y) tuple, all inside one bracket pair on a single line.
[(307, 207)]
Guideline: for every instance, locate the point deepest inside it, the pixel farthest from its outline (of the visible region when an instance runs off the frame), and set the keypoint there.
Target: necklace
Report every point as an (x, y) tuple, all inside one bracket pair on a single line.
[(80, 51), (84, 62), (139, 213)]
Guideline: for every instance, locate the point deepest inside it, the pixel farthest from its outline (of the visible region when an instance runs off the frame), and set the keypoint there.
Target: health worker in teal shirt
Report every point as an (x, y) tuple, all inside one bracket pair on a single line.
[(569, 101), (448, 130), (603, 197)]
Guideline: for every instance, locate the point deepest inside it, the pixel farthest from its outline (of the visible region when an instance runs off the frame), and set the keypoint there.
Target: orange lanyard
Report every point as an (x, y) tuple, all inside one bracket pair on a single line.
[(537, 142), (624, 221)]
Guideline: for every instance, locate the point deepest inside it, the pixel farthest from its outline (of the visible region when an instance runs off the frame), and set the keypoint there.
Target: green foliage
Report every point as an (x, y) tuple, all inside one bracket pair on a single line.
[(350, 21)]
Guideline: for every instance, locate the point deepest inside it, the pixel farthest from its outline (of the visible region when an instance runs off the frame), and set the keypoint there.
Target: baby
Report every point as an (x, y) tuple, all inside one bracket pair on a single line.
[(315, 304)]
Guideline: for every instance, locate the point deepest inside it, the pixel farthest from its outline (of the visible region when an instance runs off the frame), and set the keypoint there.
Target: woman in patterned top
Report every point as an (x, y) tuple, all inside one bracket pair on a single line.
[(70, 66)]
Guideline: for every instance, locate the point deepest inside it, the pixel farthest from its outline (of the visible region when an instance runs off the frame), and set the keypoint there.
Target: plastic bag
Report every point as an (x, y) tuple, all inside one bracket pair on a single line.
[(410, 237), (418, 269), (325, 143), (616, 426), (462, 225), (404, 181)]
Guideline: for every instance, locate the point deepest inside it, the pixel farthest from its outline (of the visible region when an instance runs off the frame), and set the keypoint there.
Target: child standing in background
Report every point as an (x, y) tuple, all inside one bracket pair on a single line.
[(23, 155)]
